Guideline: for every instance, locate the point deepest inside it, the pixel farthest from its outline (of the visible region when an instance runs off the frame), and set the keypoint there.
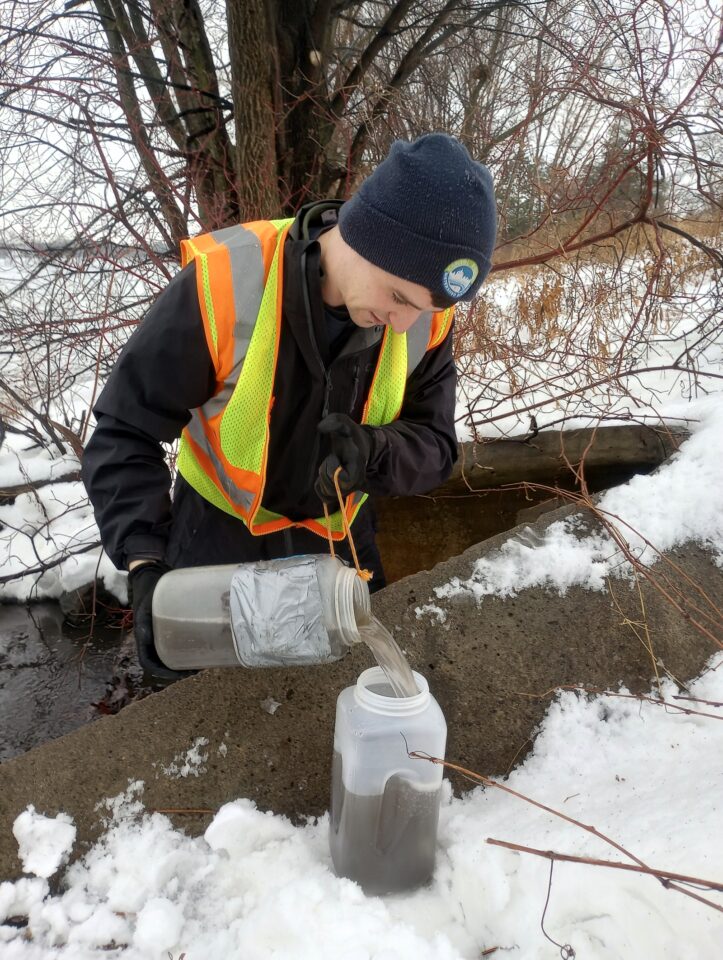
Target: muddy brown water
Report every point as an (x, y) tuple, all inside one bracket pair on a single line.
[(386, 842), (54, 678)]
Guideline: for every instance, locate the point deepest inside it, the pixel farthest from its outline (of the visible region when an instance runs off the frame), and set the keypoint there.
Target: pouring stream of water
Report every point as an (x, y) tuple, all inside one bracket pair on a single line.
[(390, 658)]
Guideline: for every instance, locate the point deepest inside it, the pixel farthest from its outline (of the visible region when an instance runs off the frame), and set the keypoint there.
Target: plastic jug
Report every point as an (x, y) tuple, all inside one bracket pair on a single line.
[(384, 805), (293, 611)]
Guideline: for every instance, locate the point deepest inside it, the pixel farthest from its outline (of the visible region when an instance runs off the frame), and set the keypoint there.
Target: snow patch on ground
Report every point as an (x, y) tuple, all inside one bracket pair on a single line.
[(44, 843), (431, 610), (188, 764), (681, 502), (20, 463), (256, 886), (125, 804)]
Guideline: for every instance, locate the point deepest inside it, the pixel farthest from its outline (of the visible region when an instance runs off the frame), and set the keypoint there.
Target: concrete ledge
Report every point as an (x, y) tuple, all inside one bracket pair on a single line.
[(480, 663), (548, 456), (495, 484)]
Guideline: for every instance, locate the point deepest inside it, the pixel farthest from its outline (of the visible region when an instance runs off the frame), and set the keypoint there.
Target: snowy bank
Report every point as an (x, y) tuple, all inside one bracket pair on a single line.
[(255, 886), (681, 502)]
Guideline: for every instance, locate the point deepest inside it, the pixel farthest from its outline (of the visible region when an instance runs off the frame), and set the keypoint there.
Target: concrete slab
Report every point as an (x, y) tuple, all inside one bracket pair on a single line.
[(483, 664)]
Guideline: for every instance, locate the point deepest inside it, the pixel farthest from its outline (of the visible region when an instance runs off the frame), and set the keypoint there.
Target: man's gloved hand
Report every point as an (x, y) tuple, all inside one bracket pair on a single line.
[(142, 580), (350, 450)]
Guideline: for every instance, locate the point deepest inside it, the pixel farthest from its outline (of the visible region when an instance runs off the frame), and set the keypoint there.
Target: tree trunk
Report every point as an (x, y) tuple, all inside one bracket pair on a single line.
[(254, 66), (303, 40)]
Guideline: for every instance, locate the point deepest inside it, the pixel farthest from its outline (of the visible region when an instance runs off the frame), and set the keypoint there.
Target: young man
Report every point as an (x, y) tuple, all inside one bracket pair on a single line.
[(283, 350)]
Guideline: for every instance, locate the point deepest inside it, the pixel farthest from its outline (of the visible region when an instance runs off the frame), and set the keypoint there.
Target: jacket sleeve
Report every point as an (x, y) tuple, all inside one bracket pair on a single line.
[(417, 452), (162, 373)]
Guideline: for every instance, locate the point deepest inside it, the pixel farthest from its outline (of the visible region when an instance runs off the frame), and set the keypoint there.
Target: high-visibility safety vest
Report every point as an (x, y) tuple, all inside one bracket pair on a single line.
[(224, 449)]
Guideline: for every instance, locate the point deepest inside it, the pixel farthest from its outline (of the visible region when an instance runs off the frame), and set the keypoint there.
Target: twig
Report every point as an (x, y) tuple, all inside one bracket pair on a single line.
[(634, 624), (659, 702), (479, 778), (593, 862), (48, 564), (705, 609), (46, 421), (518, 751), (32, 486), (711, 703), (616, 535), (566, 951)]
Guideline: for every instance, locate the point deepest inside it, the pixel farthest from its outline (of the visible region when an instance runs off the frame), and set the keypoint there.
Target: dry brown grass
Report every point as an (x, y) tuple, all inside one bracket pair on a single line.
[(640, 239)]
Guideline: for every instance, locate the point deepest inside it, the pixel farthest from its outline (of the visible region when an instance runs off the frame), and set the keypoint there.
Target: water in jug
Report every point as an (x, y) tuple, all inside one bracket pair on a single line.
[(384, 804), (288, 612)]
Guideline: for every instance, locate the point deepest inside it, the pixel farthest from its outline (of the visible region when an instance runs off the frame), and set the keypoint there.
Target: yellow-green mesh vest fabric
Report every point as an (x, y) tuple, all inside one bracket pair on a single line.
[(244, 423), (387, 393), (188, 465)]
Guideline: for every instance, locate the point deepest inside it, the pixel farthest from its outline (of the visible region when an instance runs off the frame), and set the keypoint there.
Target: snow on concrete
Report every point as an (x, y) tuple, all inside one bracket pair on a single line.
[(679, 503), (188, 764), (44, 843), (256, 886), (431, 610)]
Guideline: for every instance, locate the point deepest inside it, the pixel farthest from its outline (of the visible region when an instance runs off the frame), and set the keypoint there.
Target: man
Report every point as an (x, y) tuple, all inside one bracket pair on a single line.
[(283, 350)]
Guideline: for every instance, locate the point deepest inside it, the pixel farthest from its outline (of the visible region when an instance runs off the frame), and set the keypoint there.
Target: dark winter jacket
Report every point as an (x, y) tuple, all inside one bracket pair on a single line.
[(165, 370)]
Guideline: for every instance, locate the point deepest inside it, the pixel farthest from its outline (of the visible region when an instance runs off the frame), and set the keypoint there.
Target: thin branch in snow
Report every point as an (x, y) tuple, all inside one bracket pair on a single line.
[(594, 691), (589, 828), (593, 862)]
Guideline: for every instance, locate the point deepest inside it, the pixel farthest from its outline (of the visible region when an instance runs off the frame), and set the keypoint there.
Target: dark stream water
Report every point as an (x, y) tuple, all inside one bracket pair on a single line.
[(54, 678)]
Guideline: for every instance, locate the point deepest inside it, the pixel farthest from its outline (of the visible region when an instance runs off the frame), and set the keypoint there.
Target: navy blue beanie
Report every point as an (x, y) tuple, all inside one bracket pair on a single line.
[(427, 214)]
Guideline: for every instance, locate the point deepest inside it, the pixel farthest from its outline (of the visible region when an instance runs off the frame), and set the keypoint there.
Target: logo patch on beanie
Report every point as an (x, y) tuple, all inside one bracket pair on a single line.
[(458, 277)]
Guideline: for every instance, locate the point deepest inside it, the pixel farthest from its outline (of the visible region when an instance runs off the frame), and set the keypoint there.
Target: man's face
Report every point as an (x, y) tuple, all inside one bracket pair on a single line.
[(375, 298)]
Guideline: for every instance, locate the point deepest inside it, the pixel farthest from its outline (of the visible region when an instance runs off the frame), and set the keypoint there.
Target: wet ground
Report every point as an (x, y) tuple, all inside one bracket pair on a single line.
[(55, 678)]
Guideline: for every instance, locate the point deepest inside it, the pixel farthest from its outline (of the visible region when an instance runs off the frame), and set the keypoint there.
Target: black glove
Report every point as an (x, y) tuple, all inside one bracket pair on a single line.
[(351, 446), (142, 580)]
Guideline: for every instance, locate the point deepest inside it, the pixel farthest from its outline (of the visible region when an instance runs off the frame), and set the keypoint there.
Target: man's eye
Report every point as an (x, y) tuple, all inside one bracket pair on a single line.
[(397, 299)]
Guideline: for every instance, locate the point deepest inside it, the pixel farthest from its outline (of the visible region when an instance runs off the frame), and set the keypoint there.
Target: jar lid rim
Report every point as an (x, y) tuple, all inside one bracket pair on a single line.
[(382, 704)]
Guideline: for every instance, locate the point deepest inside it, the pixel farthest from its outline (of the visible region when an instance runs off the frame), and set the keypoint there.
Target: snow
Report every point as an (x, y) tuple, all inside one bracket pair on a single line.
[(431, 610), (683, 501), (44, 524), (257, 886), (269, 705), (582, 359), (20, 465), (680, 502), (189, 764), (43, 843), (576, 362)]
